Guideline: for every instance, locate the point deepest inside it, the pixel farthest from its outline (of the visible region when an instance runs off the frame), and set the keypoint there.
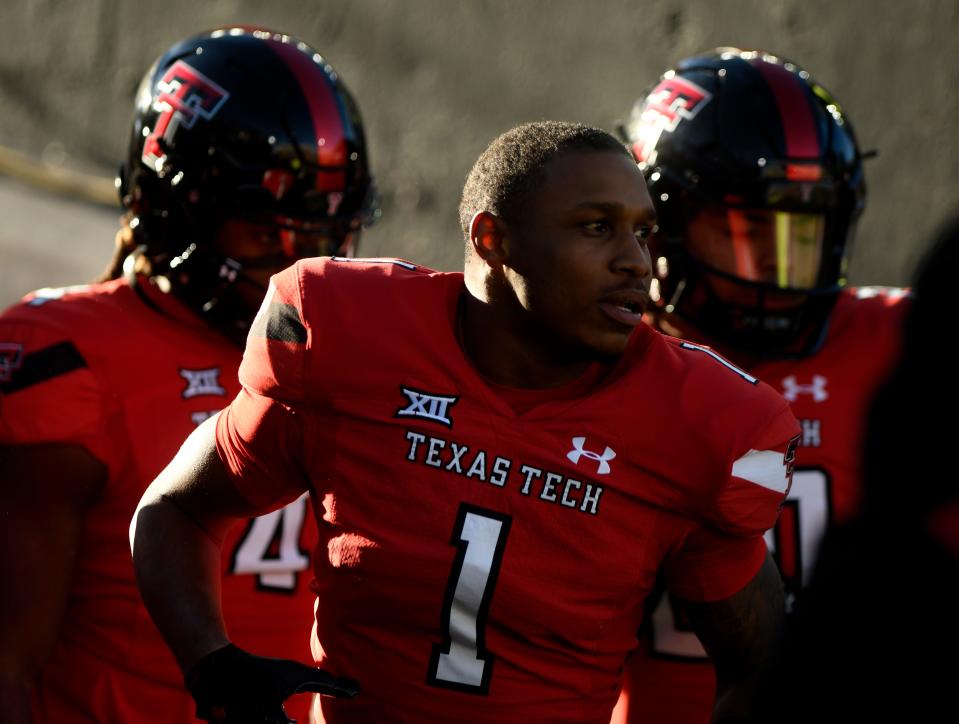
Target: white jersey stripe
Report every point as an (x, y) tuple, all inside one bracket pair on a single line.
[(375, 260), (726, 363), (763, 467)]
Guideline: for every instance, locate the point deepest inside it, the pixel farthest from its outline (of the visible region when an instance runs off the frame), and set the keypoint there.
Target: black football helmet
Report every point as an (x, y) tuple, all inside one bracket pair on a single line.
[(758, 183), (248, 124)]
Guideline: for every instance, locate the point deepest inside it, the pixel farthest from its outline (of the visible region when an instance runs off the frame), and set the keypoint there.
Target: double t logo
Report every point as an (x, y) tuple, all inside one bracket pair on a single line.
[(674, 100), (184, 94)]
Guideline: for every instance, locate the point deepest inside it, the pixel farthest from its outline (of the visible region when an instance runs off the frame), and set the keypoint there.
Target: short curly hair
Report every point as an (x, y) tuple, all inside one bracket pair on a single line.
[(512, 165)]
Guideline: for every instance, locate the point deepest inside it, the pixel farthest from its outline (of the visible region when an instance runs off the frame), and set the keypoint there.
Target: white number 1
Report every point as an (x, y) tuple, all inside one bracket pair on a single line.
[(461, 661)]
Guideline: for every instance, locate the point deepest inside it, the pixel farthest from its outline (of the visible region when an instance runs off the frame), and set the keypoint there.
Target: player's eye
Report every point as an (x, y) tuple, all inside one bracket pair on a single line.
[(644, 232), (597, 227)]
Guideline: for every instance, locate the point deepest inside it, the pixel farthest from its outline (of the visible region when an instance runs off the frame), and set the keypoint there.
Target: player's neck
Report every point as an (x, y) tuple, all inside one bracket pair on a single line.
[(509, 356)]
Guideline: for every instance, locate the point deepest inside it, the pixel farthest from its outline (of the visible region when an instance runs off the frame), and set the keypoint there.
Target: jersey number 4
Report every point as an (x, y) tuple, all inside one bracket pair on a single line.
[(461, 661), (270, 548)]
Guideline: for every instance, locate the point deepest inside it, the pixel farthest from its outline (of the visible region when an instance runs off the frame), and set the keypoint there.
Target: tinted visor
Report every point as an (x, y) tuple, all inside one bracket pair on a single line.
[(299, 238), (276, 242), (283, 194), (765, 246)]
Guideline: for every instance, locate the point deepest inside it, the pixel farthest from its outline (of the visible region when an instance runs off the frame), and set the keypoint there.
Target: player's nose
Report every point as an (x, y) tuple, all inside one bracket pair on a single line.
[(633, 256)]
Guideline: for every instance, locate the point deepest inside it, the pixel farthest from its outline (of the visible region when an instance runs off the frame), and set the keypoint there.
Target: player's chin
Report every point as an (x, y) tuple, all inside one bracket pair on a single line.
[(609, 344)]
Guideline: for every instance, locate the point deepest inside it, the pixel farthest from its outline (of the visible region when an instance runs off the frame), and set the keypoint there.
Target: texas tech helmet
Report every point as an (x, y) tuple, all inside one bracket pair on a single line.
[(758, 183), (242, 123)]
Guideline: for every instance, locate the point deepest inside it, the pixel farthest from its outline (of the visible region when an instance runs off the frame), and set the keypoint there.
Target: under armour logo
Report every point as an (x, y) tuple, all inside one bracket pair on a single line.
[(202, 382), (579, 451), (792, 390), (427, 406), (11, 357)]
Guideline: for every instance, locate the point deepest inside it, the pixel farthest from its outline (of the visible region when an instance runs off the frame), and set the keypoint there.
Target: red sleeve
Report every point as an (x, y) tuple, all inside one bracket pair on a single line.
[(725, 552), (712, 565), (259, 437), (759, 479), (48, 393)]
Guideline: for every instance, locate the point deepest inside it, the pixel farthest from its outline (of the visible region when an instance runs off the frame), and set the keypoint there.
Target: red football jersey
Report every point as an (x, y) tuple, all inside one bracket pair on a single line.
[(480, 561), (670, 680), (128, 373)]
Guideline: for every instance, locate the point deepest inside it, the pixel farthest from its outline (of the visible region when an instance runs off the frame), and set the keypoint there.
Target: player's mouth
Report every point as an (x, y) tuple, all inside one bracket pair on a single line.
[(625, 306)]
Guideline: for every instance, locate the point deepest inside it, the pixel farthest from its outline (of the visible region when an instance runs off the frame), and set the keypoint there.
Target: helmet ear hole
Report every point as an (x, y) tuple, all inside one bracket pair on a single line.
[(750, 131)]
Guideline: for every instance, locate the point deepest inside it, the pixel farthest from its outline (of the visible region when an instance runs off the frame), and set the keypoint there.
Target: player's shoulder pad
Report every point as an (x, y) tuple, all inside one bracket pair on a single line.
[(339, 283), (717, 359), (41, 337), (877, 296), (39, 297), (707, 380), (719, 396), (72, 308), (311, 304), (49, 390), (53, 303), (318, 282), (357, 268), (869, 307)]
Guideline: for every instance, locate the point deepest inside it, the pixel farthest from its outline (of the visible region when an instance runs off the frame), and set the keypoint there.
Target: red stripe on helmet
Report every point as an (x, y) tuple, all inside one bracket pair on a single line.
[(799, 127), (804, 172), (331, 147)]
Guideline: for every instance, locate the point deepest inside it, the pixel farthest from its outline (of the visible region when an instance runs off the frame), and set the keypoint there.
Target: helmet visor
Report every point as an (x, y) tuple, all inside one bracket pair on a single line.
[(299, 238), (276, 242), (766, 246)]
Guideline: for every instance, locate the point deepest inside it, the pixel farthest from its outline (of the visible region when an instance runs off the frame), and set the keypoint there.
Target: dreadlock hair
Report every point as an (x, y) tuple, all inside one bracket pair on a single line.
[(125, 243), (512, 165)]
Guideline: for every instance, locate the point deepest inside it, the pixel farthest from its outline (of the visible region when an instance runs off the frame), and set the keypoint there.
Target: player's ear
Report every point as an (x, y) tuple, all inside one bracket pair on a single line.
[(487, 237)]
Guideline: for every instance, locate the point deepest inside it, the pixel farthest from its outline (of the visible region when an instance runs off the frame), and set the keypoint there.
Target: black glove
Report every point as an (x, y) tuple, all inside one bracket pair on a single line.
[(231, 686)]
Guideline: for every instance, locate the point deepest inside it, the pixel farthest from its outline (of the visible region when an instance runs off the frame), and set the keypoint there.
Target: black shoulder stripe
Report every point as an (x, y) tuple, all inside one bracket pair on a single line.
[(280, 322), (42, 365)]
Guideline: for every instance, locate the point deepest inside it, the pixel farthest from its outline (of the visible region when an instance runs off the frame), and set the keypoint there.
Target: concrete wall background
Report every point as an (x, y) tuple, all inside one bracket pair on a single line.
[(437, 79)]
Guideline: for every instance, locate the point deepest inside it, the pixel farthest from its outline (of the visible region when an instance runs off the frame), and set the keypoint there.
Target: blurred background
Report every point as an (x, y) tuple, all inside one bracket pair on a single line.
[(436, 80)]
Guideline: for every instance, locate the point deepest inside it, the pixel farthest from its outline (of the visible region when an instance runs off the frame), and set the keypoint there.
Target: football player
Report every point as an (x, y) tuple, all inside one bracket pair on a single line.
[(246, 154), (758, 182), (476, 451)]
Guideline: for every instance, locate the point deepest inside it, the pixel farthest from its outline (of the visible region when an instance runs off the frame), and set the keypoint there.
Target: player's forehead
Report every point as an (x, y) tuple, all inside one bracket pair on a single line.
[(591, 178)]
